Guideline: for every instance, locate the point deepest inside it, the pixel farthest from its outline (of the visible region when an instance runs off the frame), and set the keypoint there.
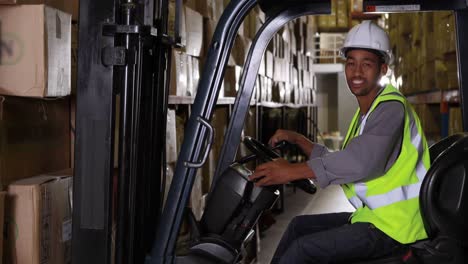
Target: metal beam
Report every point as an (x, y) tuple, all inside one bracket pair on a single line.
[(94, 138), (461, 24), (389, 6)]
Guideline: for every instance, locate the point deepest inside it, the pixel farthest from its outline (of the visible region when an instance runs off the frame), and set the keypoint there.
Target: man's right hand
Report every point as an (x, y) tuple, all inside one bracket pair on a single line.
[(293, 138)]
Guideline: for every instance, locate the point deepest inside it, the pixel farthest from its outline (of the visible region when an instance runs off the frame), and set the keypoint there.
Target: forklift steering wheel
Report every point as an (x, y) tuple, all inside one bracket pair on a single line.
[(268, 154), (261, 150)]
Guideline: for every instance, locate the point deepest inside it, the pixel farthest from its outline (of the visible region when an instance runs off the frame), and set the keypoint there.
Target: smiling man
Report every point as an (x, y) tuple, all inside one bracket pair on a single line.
[(380, 168)]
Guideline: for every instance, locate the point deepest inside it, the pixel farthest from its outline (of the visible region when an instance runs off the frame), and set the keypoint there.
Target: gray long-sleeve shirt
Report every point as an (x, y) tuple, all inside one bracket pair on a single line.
[(366, 156)]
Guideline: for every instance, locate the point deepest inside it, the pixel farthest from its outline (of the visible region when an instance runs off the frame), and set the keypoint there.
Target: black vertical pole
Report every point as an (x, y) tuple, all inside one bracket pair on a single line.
[(461, 23), (152, 129), (92, 183), (128, 76)]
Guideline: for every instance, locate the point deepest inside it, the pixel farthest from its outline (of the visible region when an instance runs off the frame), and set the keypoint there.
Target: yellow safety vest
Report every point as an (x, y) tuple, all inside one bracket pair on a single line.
[(391, 202)]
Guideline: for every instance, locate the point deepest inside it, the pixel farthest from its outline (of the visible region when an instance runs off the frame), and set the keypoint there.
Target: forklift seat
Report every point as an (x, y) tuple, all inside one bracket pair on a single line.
[(443, 200)]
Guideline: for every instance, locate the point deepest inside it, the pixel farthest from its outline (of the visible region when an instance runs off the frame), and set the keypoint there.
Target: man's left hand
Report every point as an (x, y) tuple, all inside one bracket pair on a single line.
[(280, 171)]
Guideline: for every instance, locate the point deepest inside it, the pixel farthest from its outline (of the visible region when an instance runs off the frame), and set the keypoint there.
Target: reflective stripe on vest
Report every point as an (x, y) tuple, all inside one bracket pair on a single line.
[(398, 194)]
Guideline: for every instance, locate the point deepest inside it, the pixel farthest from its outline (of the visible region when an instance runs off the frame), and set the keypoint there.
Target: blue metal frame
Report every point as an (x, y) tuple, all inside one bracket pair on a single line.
[(461, 21)]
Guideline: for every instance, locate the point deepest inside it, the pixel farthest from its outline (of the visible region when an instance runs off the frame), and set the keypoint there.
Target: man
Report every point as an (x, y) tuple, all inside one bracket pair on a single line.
[(380, 168)]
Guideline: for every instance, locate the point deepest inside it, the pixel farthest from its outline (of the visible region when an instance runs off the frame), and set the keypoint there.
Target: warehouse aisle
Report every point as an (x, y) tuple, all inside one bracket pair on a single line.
[(328, 200)]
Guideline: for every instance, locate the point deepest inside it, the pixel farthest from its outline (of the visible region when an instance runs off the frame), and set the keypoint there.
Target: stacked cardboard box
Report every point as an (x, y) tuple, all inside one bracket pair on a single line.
[(430, 120), (35, 63), (424, 46), (39, 220), (36, 59), (338, 19), (328, 22), (185, 71), (455, 120), (356, 6), (342, 17)]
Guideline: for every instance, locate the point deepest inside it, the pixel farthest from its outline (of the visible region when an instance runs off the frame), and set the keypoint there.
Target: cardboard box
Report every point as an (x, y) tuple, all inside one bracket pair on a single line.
[(440, 74), (196, 73), (259, 83), (179, 79), (218, 8), (287, 93), (171, 139), (277, 92), (269, 89), (194, 31), (310, 43), (427, 77), (405, 23), (356, 6), (231, 80), (180, 128), (68, 6), (169, 177), (191, 4), (2, 222), (35, 137), (342, 14), (455, 120), (240, 49), (444, 29), (205, 7), (269, 64), (193, 74), (35, 58), (450, 60), (430, 118), (277, 69), (253, 24), (39, 220)]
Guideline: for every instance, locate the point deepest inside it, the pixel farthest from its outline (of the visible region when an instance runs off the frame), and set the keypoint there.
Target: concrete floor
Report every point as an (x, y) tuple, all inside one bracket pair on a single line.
[(331, 199)]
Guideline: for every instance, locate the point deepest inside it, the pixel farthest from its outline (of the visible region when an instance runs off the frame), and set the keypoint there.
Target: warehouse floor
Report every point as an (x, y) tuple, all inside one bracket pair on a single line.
[(328, 200)]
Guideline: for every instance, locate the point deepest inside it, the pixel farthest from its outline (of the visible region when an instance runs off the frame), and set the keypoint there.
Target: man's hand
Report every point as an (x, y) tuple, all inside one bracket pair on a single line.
[(280, 171), (293, 138), (281, 134)]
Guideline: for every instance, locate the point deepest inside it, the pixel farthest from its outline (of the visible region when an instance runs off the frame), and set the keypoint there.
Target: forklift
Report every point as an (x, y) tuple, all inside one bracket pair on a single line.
[(125, 53)]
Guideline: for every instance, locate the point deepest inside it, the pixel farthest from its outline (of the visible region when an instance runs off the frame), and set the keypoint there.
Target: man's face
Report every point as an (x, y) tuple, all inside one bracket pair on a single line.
[(363, 71)]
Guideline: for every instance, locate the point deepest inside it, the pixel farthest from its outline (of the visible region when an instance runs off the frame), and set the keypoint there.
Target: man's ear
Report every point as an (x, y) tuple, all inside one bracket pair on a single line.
[(383, 69)]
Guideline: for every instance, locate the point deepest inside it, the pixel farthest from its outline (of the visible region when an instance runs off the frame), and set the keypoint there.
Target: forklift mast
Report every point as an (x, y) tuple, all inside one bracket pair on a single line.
[(124, 56)]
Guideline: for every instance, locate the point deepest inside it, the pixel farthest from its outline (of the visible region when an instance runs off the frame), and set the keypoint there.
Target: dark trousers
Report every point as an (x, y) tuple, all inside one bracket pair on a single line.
[(329, 238)]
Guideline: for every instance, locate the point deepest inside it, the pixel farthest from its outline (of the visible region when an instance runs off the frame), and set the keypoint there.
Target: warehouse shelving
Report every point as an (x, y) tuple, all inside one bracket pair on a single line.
[(188, 100), (435, 97)]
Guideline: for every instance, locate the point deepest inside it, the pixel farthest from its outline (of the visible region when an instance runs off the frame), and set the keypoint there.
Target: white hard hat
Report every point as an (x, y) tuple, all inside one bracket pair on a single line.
[(368, 35)]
